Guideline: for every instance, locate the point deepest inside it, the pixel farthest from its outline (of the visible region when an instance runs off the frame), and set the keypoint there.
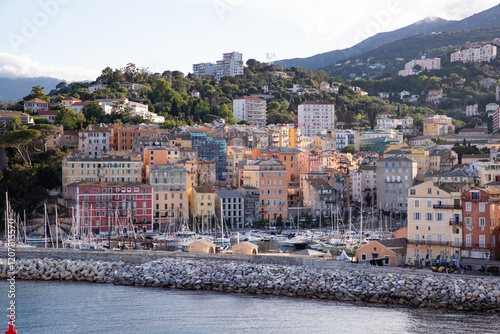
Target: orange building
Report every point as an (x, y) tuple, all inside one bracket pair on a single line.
[(296, 160), (270, 177), (124, 134)]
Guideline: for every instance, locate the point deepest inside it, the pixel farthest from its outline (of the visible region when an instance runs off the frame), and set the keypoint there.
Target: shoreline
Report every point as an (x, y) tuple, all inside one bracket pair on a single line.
[(229, 275)]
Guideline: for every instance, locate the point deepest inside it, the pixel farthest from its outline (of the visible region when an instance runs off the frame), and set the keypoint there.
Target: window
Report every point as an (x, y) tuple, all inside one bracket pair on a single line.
[(468, 240), (474, 195), (412, 191), (417, 203), (417, 237), (416, 215), (429, 204), (439, 216), (468, 206), (482, 207), (468, 221), (482, 222), (482, 241), (428, 216)]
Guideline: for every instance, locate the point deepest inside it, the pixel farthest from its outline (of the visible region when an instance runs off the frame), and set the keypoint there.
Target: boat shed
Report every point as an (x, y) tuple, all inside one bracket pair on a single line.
[(390, 252), (202, 246), (245, 248)]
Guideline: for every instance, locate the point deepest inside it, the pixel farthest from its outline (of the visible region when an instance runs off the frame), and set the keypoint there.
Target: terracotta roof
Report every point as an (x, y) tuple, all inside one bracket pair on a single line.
[(48, 112), (36, 101), (76, 104), (473, 130), (316, 102), (249, 98), (71, 98)]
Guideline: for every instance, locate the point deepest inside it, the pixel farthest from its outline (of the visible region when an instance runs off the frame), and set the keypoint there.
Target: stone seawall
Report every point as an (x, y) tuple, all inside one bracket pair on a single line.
[(446, 291)]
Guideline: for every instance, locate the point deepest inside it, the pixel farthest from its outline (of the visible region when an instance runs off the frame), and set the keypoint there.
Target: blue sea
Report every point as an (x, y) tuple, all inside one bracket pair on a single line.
[(81, 307)]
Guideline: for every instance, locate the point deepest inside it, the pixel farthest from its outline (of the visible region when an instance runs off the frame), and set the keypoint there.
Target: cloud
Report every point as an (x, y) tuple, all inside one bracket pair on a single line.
[(15, 66)]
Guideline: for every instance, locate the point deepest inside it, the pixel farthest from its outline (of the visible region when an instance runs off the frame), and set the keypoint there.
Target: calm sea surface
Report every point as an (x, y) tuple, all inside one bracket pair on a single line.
[(77, 307)]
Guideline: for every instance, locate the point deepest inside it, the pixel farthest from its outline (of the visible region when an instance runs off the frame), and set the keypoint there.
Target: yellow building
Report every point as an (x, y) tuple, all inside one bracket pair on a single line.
[(294, 137), (201, 202), (420, 156), (114, 166), (170, 198), (279, 135), (180, 140), (434, 221), (234, 154)]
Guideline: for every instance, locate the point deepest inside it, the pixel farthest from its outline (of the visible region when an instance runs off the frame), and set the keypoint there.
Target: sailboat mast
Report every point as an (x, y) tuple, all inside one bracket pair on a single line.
[(361, 223)]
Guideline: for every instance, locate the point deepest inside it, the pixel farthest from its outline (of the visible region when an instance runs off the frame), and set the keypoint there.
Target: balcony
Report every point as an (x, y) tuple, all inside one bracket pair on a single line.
[(447, 206), (455, 222), (432, 242)]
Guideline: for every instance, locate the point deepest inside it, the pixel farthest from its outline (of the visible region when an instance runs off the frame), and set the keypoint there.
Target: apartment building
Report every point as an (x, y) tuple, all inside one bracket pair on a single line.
[(201, 203), (435, 96), (481, 223), (123, 207), (95, 139), (230, 206), (230, 65), (315, 117), (438, 125), (363, 182), (477, 54), (123, 135), (6, 116), (319, 197), (202, 69), (211, 149), (435, 221), (114, 166), (250, 109), (170, 198), (270, 177), (419, 155), (395, 175), (416, 66), (296, 160), (279, 135), (251, 204)]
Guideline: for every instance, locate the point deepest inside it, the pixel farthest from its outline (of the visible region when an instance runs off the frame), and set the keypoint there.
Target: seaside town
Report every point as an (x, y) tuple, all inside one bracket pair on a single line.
[(421, 195), (255, 177)]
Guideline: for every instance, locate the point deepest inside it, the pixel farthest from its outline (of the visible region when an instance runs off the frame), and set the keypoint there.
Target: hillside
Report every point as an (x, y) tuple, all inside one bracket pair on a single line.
[(434, 45), (486, 19)]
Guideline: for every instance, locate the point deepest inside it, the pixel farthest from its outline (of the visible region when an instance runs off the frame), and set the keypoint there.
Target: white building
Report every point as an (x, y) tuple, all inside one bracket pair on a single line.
[(251, 109), (203, 69), (472, 110), (416, 66), (345, 138), (484, 53), (363, 182), (230, 65), (232, 206), (316, 116), (497, 95)]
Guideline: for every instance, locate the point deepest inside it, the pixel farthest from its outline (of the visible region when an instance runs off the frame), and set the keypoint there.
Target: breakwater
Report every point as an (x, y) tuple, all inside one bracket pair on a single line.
[(439, 291)]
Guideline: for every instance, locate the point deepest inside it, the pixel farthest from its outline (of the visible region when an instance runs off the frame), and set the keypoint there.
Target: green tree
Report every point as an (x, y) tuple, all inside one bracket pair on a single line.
[(349, 149), (93, 113), (68, 119), (15, 123), (46, 131), (22, 141), (37, 93)]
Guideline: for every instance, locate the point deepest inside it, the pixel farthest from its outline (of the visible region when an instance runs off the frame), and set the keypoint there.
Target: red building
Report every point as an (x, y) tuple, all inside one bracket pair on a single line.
[(481, 223), (123, 206)]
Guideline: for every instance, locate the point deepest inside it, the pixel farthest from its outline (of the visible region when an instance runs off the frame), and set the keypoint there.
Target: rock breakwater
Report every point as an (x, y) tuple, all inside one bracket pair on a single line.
[(419, 290)]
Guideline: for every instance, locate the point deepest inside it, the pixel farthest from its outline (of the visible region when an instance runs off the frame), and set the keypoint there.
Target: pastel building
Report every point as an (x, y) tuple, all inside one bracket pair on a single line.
[(95, 139), (36, 105), (481, 223), (112, 167), (250, 109), (123, 207)]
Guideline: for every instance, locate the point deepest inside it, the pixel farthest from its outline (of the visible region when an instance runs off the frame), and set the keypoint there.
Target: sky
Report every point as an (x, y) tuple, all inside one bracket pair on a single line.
[(75, 40)]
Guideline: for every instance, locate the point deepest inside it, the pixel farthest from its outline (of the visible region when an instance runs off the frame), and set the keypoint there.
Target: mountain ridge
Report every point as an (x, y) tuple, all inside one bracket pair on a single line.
[(489, 18)]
